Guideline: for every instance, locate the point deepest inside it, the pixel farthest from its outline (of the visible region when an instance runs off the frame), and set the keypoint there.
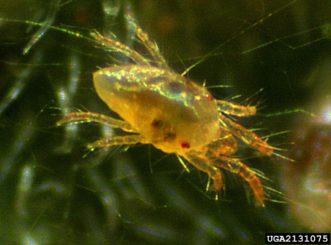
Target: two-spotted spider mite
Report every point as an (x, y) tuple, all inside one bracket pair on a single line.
[(174, 114)]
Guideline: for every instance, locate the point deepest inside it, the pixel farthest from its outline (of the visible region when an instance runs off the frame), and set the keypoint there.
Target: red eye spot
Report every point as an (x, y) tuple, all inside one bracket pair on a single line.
[(209, 97), (185, 144)]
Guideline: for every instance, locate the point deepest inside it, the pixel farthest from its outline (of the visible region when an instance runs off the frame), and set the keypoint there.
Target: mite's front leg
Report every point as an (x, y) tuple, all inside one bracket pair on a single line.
[(250, 176), (202, 163), (246, 135), (235, 109)]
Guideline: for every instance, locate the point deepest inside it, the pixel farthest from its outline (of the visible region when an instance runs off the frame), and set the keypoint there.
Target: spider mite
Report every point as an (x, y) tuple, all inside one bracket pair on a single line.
[(176, 115)]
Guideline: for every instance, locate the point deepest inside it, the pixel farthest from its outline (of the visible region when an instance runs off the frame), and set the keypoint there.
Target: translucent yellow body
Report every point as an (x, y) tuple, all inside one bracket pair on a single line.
[(160, 107), (169, 111)]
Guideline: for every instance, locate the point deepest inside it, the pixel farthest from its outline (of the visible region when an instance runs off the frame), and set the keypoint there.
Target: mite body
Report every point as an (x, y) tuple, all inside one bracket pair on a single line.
[(176, 115), (166, 109)]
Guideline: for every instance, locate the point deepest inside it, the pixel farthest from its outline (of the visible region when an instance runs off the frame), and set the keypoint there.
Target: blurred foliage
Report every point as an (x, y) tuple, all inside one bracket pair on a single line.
[(53, 193), (310, 185)]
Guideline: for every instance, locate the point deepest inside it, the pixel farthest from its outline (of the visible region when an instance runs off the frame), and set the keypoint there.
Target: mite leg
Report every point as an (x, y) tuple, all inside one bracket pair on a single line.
[(116, 46), (235, 109), (246, 135), (87, 117), (203, 164), (150, 46), (250, 176), (226, 145), (115, 140)]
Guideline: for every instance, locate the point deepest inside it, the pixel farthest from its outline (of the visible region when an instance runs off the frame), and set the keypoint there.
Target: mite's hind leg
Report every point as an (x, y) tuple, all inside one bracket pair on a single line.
[(115, 140), (235, 109), (88, 117), (116, 46), (250, 176), (150, 46), (246, 135), (202, 163)]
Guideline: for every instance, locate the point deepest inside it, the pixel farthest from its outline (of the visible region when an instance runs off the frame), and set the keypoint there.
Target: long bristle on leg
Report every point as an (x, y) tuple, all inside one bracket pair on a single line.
[(235, 166), (247, 136), (202, 163)]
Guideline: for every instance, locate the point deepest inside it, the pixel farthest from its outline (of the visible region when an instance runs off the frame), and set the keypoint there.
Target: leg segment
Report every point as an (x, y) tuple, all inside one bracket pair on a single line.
[(150, 46), (117, 46), (226, 145), (203, 164), (246, 135), (87, 117), (237, 167), (115, 140), (235, 109)]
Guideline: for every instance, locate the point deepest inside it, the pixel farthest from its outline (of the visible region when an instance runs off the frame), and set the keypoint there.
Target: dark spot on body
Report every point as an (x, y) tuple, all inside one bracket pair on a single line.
[(209, 97), (157, 123), (170, 136), (185, 145)]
